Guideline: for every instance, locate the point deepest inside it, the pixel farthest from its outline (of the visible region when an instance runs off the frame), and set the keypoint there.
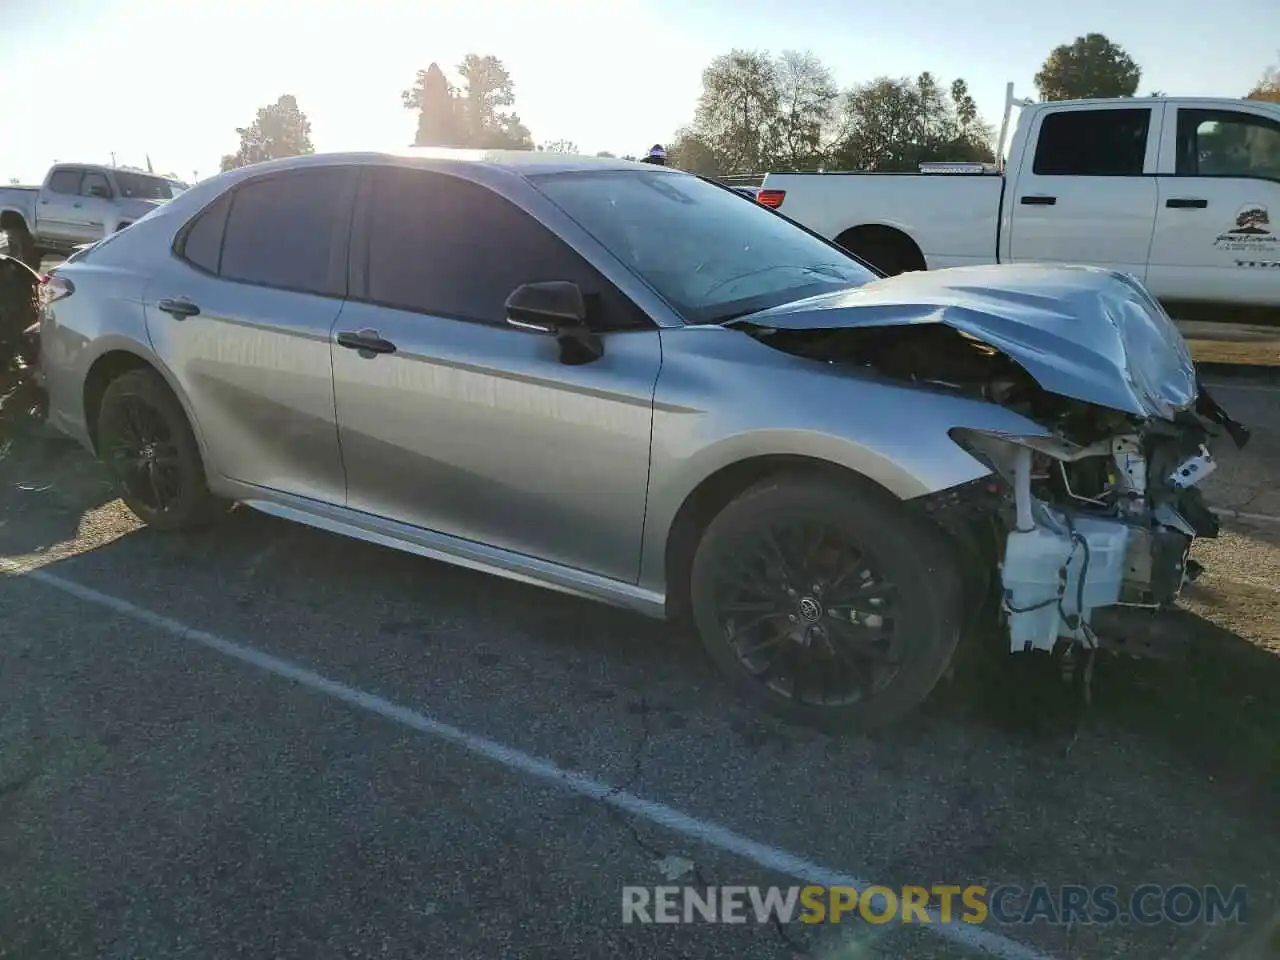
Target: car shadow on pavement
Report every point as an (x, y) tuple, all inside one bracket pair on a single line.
[(1213, 709), (50, 484)]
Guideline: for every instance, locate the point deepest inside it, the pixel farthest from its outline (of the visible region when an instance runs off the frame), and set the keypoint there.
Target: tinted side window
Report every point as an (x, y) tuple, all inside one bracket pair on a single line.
[(442, 245), (1227, 143), (1093, 143), (94, 184), (202, 244), (65, 181), (281, 230)]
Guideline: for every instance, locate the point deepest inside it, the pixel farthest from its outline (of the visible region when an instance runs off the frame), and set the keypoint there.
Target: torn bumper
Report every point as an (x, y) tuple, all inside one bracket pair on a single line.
[(1062, 563)]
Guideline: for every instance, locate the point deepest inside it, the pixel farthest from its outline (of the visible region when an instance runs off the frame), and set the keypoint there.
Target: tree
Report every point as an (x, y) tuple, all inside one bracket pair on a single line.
[(487, 92), (606, 153), (807, 96), (559, 146), (436, 101), (280, 129), (890, 124), (737, 112), (1268, 88), (691, 153), (1091, 66)]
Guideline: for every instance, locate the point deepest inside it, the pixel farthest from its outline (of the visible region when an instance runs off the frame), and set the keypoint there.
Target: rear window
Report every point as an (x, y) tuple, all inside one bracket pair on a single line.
[(281, 231), (1093, 143), (65, 181)]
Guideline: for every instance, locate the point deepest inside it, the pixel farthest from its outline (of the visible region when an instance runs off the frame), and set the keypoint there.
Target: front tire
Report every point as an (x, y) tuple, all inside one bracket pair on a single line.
[(827, 602), (151, 453)]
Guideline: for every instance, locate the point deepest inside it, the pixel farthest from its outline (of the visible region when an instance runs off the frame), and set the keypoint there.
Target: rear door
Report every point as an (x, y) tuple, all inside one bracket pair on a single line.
[(475, 428), (1217, 238), (90, 215), (1082, 192), (242, 317), (59, 205)]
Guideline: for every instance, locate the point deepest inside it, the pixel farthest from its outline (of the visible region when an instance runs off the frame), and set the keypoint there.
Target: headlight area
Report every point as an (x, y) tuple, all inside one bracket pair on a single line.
[(1109, 524)]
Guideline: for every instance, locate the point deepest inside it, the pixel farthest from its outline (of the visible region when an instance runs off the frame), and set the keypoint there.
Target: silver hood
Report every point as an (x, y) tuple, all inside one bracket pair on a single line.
[(1081, 332)]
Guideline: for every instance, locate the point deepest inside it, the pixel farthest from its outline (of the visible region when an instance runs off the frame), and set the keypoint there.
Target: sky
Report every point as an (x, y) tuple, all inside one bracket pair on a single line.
[(174, 79)]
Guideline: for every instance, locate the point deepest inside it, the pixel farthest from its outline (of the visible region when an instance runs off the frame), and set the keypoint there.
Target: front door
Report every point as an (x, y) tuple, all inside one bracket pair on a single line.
[(472, 427), (1080, 195), (242, 319), (1217, 238)]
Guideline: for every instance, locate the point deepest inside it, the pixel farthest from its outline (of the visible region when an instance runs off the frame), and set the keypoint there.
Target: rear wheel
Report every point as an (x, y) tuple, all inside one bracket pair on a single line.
[(825, 602), (149, 450), (19, 244)]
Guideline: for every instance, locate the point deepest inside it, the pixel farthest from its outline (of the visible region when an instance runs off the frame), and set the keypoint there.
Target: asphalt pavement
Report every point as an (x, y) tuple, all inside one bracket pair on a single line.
[(268, 741)]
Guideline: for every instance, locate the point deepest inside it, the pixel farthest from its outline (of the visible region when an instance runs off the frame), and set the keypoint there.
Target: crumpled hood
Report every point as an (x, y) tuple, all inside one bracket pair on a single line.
[(1087, 333)]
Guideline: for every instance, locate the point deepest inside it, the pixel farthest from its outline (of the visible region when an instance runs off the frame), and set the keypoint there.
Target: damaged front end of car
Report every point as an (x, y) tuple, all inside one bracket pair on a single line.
[(1097, 511)]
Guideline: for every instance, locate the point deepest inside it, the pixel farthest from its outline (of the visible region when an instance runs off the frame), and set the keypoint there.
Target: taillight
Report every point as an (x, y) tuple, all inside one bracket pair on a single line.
[(771, 198), (54, 288)]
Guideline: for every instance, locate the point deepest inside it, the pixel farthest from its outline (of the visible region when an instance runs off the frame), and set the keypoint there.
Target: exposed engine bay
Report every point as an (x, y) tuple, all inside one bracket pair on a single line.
[(1102, 513)]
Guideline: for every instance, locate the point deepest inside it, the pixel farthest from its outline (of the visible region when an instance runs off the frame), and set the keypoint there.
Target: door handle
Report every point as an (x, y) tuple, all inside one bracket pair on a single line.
[(1039, 201), (179, 308), (76, 205), (1186, 203), (366, 341)]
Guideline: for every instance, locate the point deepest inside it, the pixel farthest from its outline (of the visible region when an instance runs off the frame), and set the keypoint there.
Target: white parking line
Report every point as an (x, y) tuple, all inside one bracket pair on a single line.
[(711, 834)]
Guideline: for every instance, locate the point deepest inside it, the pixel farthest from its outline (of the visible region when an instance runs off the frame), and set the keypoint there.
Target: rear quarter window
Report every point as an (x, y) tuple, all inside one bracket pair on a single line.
[(201, 245)]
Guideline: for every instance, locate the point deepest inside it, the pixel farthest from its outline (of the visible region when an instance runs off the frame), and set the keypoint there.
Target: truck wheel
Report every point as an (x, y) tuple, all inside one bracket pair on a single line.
[(151, 454), (20, 245), (889, 250), (826, 602)]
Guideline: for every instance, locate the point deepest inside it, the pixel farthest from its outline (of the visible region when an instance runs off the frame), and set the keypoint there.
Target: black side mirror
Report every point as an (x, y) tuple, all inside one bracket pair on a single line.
[(559, 309)]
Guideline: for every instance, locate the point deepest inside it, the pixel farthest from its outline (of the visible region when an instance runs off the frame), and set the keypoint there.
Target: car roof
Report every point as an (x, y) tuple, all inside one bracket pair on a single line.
[(434, 158)]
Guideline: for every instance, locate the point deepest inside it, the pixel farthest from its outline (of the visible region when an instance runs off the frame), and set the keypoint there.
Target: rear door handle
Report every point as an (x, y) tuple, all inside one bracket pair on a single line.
[(1186, 203), (1039, 201), (179, 308), (366, 341)]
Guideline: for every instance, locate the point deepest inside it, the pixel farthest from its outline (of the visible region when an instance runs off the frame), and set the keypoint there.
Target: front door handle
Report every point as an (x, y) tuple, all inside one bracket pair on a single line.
[(179, 308), (366, 341), (1186, 203), (1039, 201)]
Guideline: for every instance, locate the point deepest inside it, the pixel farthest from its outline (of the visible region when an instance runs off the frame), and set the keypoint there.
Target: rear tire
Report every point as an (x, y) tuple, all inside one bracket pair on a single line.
[(827, 602), (889, 250), (22, 246), (151, 454)]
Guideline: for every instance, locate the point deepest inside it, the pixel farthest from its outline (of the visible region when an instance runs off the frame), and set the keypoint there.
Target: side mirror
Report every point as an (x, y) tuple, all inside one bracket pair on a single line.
[(547, 307), (559, 309)]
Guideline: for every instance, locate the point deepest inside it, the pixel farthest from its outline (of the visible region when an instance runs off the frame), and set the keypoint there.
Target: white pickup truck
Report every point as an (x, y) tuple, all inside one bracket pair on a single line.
[(78, 203), (1175, 191)]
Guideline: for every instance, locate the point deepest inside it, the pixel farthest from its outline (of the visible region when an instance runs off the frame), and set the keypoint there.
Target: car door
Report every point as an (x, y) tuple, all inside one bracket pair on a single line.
[(475, 428), (59, 205), (90, 215), (242, 316), (1216, 237), (1081, 194)]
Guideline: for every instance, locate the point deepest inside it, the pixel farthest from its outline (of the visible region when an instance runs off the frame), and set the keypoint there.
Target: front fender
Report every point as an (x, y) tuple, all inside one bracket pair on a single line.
[(724, 398)]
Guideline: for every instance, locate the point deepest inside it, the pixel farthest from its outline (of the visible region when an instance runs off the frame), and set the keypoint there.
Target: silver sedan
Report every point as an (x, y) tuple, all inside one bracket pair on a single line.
[(622, 382)]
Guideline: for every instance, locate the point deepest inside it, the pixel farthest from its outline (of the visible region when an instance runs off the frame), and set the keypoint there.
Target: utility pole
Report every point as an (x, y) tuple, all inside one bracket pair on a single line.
[(113, 158)]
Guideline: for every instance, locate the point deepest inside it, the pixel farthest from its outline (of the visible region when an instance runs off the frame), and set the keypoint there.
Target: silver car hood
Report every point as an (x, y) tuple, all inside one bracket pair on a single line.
[(1081, 332)]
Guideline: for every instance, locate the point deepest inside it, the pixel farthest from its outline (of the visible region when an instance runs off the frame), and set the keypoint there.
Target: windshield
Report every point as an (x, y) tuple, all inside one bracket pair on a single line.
[(711, 253), (140, 186)]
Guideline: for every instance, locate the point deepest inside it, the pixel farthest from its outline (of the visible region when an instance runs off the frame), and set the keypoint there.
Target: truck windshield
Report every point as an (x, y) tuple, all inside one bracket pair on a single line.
[(712, 254), (140, 186)]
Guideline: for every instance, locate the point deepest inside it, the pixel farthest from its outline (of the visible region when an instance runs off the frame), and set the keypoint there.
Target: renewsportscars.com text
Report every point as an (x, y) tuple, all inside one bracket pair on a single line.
[(1146, 904)]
